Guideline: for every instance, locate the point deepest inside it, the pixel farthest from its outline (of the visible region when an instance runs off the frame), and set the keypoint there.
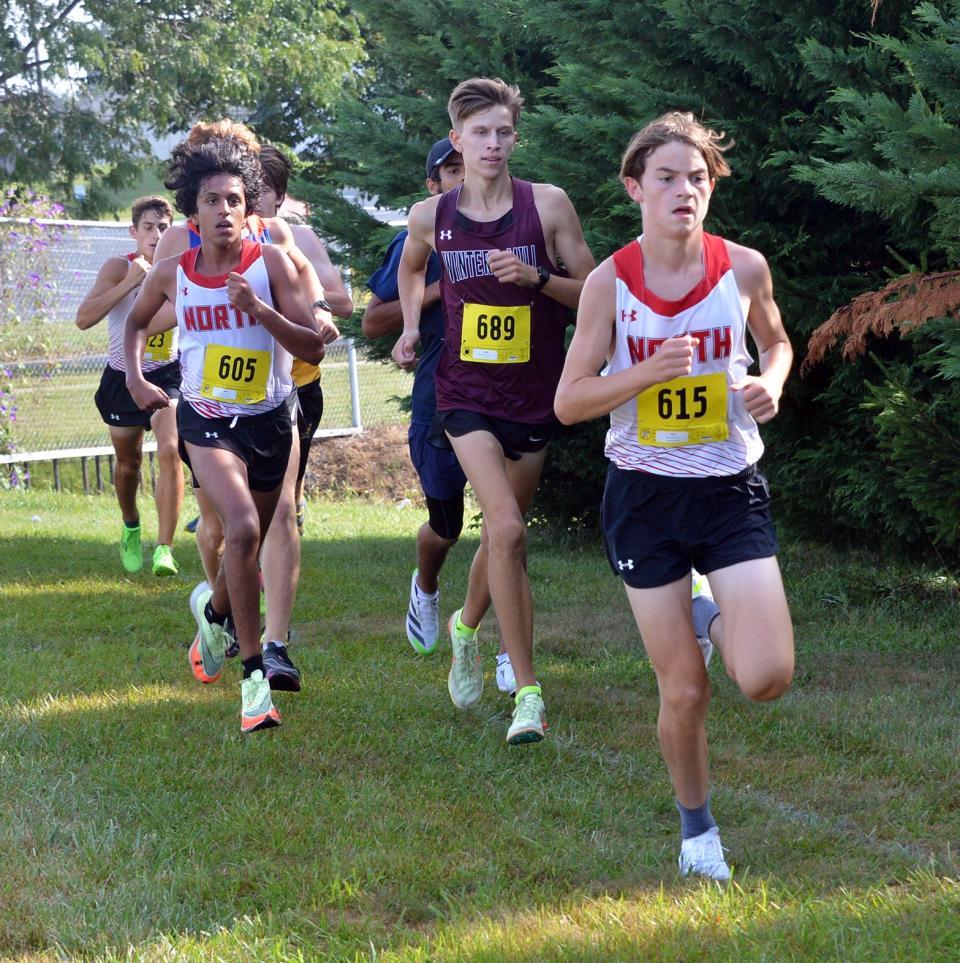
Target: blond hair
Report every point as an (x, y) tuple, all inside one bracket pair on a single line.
[(672, 126), (204, 132), (481, 93)]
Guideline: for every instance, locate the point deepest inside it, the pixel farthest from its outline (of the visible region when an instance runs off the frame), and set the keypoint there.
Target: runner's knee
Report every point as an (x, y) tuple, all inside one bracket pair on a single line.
[(446, 516), (763, 683), (684, 697)]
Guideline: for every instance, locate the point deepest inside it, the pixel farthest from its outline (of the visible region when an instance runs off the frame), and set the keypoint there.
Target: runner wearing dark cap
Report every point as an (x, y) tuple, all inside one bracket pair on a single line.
[(506, 302)]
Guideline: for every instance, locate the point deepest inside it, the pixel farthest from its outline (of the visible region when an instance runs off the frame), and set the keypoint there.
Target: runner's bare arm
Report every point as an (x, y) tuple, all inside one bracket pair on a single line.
[(155, 291), (174, 240), (334, 290), (116, 278), (582, 393), (292, 322), (761, 394), (163, 320), (386, 317), (411, 278), (283, 239)]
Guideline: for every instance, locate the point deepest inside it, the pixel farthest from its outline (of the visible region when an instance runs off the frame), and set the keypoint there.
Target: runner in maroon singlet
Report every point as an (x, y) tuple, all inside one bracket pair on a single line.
[(506, 300)]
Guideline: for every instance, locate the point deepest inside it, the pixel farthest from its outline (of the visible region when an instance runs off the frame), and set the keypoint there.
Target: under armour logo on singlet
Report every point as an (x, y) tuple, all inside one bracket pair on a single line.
[(446, 235), (627, 564)]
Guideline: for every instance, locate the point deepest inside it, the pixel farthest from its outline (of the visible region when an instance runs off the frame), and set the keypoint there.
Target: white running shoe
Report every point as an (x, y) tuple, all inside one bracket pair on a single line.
[(506, 680), (465, 681), (423, 618), (529, 720), (703, 612), (703, 856), (198, 590)]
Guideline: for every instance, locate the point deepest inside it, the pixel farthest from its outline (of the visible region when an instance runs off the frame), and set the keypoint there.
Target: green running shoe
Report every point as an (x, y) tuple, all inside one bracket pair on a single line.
[(131, 551), (465, 681), (256, 707), (529, 720), (163, 562), (208, 649)]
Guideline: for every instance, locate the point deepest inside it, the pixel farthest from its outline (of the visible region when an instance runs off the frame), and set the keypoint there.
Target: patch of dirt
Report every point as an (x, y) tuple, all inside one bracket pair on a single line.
[(375, 464)]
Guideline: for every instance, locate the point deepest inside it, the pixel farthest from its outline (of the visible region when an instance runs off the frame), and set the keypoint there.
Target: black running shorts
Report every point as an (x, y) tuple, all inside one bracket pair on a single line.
[(262, 442), (115, 403), (309, 413), (516, 437), (656, 527)]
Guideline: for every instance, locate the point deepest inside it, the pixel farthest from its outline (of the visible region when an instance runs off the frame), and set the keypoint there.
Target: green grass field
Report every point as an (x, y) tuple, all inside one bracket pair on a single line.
[(380, 823)]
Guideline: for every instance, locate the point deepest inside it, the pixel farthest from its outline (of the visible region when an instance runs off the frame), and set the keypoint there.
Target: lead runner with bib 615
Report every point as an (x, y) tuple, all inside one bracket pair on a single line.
[(669, 314)]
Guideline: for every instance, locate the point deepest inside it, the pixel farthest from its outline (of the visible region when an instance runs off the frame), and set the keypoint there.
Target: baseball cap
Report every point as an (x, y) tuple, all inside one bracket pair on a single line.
[(440, 151)]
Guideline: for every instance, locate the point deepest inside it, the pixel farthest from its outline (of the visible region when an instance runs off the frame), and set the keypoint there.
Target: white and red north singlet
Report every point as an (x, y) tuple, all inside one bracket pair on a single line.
[(650, 434), (160, 349), (214, 336)]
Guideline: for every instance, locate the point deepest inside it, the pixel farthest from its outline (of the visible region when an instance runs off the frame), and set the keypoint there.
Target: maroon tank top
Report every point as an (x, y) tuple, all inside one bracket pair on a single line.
[(504, 344)]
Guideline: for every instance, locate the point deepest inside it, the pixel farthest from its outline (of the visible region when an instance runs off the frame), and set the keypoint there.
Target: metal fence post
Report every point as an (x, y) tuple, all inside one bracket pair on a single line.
[(354, 384)]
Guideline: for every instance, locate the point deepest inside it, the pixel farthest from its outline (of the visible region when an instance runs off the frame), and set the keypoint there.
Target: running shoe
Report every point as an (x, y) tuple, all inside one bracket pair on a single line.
[(529, 720), (423, 618), (506, 680), (282, 674), (207, 651), (256, 707), (191, 526), (703, 856), (163, 561), (301, 515), (705, 610), (465, 681), (131, 551)]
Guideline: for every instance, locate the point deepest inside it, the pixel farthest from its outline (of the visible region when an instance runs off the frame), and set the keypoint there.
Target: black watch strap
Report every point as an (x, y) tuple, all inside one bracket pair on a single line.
[(544, 275), (321, 304)]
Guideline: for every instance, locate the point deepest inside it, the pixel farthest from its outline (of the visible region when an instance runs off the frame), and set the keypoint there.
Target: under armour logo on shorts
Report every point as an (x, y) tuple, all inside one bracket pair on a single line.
[(213, 434), (627, 564), (446, 235), (114, 417)]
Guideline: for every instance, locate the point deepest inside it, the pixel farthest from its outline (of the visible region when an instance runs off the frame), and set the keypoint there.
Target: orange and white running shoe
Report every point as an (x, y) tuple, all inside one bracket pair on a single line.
[(257, 710)]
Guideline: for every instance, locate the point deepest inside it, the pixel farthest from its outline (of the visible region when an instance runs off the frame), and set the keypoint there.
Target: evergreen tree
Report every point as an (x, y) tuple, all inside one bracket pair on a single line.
[(593, 72)]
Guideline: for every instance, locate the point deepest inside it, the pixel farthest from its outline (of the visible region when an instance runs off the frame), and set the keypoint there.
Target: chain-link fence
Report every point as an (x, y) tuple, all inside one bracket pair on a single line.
[(52, 369)]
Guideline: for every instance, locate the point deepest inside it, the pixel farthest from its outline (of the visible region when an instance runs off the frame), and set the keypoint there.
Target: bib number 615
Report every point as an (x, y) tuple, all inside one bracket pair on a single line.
[(667, 398)]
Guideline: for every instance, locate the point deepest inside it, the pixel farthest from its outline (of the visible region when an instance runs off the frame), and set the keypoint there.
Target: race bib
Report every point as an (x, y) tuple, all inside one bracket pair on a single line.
[(493, 334), (235, 375), (158, 346), (685, 411)]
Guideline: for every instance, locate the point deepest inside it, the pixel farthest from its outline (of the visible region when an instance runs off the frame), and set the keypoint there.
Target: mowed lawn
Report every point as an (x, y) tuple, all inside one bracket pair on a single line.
[(380, 823)]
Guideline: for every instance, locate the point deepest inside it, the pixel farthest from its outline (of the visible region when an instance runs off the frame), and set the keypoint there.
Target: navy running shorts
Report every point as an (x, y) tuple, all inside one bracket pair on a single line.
[(441, 476), (656, 527)]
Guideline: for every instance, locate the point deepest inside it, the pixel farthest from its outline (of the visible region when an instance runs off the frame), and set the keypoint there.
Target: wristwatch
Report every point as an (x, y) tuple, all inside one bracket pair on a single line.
[(544, 276), (321, 304)]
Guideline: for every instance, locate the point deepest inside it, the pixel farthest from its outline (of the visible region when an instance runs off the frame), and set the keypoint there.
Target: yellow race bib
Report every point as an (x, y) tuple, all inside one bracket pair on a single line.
[(235, 375), (158, 346), (493, 334), (685, 411)]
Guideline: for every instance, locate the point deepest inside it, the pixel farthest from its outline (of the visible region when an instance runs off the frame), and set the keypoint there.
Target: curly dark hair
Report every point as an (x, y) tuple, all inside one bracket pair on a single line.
[(191, 165)]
